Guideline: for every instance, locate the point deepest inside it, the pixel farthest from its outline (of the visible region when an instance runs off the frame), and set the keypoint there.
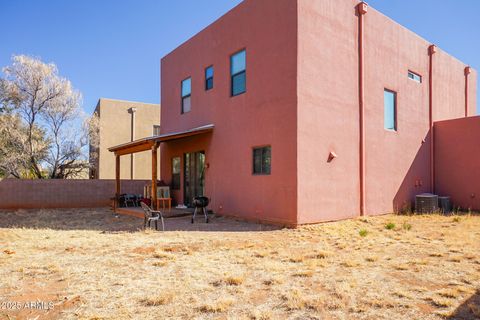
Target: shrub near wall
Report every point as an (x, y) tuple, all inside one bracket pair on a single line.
[(24, 194)]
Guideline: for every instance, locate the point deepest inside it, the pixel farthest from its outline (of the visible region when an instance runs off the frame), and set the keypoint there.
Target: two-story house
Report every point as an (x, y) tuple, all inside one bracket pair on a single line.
[(315, 110)]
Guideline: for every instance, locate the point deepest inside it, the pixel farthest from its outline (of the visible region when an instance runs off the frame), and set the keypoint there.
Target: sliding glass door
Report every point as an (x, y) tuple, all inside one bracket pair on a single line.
[(194, 176)]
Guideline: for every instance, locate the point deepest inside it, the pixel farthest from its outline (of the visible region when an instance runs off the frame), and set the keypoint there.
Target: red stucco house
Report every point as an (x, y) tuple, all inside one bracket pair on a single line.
[(308, 111)]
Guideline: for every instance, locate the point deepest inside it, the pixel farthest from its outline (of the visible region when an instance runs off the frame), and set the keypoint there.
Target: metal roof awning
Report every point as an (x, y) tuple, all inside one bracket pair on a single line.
[(147, 143)]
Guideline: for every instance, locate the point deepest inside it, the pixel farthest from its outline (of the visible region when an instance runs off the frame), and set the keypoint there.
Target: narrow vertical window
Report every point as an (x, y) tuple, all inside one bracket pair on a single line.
[(209, 78), (262, 159), (390, 109), (186, 95), (238, 73), (176, 173)]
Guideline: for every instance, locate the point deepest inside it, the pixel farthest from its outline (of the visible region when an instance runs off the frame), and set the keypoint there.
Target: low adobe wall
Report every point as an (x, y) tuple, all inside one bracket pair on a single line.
[(16, 194), (457, 161)]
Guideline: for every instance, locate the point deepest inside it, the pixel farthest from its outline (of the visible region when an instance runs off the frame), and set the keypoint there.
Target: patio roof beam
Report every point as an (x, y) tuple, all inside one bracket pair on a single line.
[(144, 146), (147, 143), (117, 181)]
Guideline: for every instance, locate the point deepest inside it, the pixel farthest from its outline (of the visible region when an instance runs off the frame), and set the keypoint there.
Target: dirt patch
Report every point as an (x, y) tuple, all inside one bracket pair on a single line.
[(37, 300), (144, 250), (93, 265), (425, 308)]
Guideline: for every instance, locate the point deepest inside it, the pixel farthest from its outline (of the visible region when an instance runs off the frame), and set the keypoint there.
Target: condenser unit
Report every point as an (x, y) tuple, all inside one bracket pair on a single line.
[(445, 204), (426, 203)]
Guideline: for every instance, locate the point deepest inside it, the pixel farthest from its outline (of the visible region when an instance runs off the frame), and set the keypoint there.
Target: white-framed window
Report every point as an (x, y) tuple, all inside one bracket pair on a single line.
[(390, 109)]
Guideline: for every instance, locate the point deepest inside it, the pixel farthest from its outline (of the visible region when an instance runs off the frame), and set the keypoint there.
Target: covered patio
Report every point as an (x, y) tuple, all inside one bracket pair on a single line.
[(149, 144)]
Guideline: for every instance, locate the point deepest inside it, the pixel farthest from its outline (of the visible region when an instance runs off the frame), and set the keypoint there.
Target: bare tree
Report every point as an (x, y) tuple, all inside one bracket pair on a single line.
[(93, 128), (48, 105), (65, 154), (14, 159)]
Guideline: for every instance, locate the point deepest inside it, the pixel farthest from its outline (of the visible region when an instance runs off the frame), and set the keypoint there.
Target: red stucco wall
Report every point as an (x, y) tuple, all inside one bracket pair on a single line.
[(396, 162), (265, 114), (457, 154), (327, 114), (302, 99)]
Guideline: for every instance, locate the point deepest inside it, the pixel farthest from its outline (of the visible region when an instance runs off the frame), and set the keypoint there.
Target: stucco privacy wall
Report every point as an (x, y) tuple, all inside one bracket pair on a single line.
[(264, 115), (16, 194), (396, 162), (115, 124), (457, 154)]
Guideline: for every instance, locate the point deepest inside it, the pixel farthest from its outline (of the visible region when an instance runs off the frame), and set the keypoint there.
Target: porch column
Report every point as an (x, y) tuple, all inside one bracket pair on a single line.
[(154, 176), (117, 180)]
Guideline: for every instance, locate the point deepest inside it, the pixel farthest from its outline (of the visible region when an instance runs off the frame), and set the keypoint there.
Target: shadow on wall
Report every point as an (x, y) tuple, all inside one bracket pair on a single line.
[(417, 179), (457, 154), (469, 309)]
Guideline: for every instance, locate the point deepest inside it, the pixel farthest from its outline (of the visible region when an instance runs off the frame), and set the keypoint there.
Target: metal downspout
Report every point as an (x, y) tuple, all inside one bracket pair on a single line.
[(361, 11)]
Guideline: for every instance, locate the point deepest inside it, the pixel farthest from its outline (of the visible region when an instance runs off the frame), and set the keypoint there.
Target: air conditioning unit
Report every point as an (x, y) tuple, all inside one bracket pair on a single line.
[(426, 203), (445, 204)]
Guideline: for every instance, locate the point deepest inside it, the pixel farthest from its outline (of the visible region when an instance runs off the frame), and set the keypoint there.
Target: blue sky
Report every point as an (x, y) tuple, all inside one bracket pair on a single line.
[(112, 48)]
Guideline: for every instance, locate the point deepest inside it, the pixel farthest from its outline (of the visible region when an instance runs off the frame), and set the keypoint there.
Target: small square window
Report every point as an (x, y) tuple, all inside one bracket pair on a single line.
[(414, 76), (186, 95), (390, 109), (262, 159), (209, 78)]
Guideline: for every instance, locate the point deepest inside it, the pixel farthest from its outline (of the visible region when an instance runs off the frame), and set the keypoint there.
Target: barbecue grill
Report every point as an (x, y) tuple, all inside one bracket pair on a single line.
[(200, 203)]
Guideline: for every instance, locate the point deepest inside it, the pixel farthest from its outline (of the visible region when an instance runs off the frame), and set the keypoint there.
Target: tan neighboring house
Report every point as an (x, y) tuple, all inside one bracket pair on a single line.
[(121, 121)]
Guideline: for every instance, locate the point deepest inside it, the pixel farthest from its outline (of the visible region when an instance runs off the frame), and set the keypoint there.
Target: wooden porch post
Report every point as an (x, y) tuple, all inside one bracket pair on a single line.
[(117, 180), (154, 176)]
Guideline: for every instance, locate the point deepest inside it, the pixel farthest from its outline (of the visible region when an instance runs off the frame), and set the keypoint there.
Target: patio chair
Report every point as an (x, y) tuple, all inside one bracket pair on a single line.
[(129, 198), (151, 216)]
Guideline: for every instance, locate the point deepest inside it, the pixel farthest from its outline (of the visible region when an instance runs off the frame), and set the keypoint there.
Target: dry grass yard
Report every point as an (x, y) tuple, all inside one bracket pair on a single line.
[(92, 265)]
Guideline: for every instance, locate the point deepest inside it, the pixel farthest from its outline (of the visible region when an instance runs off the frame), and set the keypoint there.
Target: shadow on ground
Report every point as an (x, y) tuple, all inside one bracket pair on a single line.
[(103, 219), (468, 310)]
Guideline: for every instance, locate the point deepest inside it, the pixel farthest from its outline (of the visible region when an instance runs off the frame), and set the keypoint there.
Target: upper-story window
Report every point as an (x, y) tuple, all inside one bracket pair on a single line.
[(414, 76), (390, 109), (209, 78), (238, 73), (186, 95)]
